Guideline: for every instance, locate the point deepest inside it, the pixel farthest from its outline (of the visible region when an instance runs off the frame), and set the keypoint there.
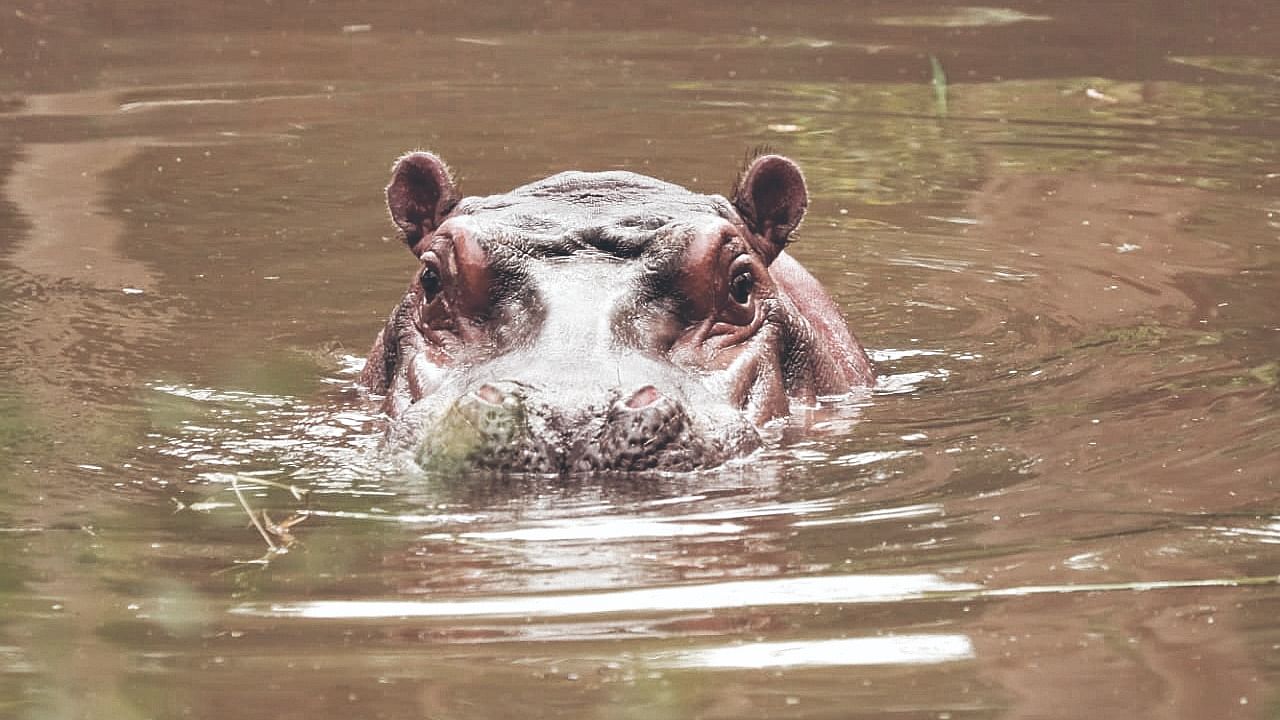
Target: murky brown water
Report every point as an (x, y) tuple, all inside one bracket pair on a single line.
[(1062, 501)]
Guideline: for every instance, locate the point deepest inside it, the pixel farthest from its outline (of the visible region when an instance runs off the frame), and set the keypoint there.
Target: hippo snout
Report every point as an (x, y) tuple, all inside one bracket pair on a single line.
[(514, 426)]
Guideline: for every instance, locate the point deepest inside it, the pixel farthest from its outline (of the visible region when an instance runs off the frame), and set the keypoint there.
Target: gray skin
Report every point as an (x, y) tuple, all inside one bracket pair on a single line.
[(602, 322)]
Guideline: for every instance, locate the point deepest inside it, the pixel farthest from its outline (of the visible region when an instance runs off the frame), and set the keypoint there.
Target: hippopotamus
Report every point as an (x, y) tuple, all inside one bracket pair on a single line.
[(598, 322)]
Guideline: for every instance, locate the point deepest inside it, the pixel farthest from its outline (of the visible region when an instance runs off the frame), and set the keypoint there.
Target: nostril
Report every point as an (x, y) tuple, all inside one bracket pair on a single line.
[(490, 394), (644, 397)]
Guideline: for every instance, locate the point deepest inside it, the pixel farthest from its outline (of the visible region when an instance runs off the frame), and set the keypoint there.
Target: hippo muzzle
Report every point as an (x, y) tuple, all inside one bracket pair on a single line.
[(602, 322), (511, 426)]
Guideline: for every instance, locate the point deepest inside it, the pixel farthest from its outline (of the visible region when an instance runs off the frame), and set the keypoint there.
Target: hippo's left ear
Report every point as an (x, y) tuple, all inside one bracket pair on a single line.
[(420, 195), (771, 198)]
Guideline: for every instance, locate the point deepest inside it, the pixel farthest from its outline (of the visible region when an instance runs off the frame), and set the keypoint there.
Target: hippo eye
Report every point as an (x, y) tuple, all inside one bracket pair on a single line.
[(741, 286), (429, 279)]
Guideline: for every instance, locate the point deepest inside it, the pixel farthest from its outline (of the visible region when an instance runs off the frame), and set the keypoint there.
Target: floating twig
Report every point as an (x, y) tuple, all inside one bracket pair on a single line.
[(253, 518)]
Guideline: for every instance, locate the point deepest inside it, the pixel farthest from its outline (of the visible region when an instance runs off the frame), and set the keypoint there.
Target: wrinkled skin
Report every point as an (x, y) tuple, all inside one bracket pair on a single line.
[(602, 322)]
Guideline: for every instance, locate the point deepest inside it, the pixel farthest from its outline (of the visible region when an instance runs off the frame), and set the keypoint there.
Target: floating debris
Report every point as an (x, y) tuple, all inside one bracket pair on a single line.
[(1096, 94), (939, 81)]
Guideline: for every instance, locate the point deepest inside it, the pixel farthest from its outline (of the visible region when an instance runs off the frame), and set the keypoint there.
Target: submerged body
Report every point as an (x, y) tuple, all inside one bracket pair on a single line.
[(596, 322)]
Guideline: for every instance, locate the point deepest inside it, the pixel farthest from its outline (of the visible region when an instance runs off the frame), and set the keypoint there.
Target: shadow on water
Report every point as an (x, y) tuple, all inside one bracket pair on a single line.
[(1060, 238)]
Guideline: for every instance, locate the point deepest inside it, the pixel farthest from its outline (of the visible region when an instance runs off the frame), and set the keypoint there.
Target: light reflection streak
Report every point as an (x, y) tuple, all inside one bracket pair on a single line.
[(716, 522), (871, 456), (891, 650), (202, 102), (404, 518), (223, 396), (907, 382), (1267, 534), (897, 513), (608, 530), (835, 589), (802, 507), (888, 354)]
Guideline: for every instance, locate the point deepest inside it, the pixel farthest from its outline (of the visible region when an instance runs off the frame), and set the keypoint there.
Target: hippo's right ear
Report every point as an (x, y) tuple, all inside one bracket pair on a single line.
[(420, 195), (771, 198)]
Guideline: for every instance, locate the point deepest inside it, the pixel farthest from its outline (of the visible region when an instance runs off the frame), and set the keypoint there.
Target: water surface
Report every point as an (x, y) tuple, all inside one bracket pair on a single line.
[(1057, 227)]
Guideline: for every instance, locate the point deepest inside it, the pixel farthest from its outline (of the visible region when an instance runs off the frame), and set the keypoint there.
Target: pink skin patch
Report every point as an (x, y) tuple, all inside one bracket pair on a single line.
[(644, 397), (490, 394)]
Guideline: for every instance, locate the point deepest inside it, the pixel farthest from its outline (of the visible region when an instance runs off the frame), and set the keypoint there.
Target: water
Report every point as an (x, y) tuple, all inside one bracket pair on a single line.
[(1057, 227)]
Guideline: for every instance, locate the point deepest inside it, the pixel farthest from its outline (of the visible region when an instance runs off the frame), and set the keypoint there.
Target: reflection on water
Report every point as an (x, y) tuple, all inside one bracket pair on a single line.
[(897, 650), (1061, 243), (747, 593)]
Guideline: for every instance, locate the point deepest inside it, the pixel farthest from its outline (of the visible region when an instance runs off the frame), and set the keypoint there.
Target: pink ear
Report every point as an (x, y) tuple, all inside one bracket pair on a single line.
[(420, 195), (771, 198)]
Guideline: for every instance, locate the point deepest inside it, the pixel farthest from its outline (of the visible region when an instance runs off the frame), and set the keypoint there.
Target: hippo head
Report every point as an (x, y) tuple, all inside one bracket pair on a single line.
[(600, 322)]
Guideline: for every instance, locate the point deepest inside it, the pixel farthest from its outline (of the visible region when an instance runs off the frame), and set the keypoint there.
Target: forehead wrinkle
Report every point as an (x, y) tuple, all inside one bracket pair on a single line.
[(622, 242), (618, 213)]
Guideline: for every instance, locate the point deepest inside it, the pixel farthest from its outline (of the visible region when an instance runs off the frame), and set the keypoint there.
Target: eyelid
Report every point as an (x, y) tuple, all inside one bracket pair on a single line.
[(741, 262)]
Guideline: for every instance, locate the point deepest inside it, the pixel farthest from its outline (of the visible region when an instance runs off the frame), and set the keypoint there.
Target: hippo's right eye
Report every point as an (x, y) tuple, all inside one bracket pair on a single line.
[(741, 286), (430, 281)]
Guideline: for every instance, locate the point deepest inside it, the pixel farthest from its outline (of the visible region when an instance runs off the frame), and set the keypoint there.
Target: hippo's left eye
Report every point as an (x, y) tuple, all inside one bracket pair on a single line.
[(741, 286), (429, 279)]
